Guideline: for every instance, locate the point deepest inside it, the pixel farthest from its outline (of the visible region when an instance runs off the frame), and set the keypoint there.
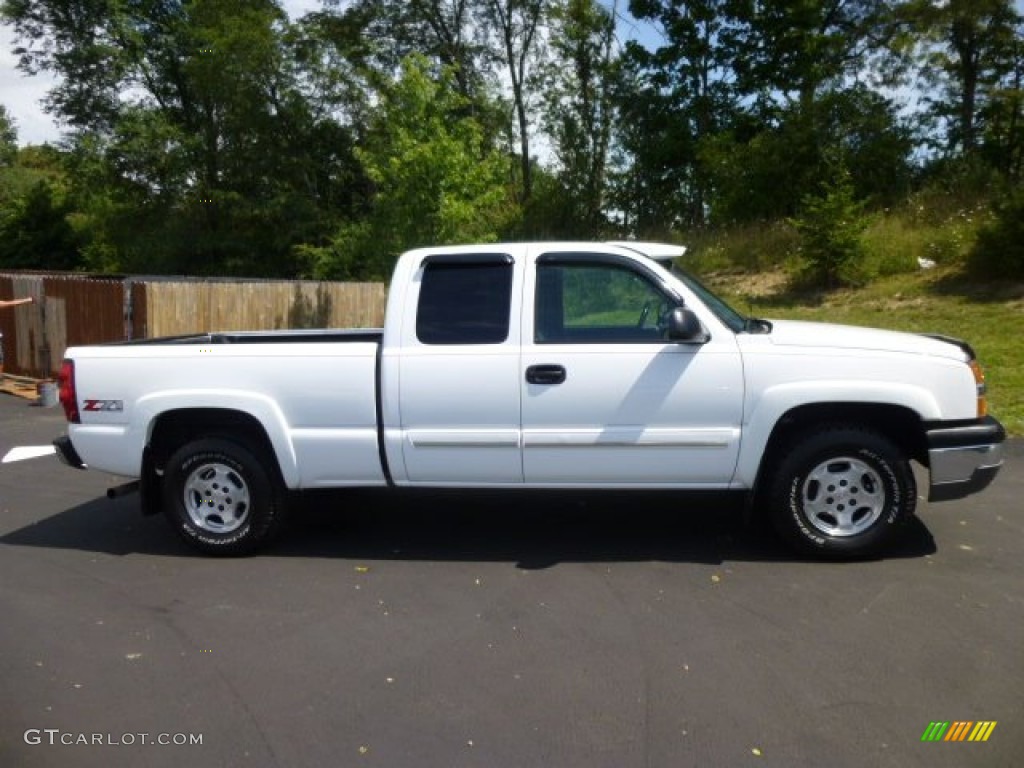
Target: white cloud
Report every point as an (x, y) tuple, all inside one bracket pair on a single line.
[(296, 8), (21, 95)]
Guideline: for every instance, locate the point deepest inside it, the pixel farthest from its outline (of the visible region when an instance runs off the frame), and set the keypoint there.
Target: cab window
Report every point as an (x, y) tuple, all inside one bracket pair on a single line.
[(465, 302), (580, 302)]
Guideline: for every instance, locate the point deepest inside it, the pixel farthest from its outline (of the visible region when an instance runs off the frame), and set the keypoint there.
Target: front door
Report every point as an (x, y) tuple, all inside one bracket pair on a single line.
[(606, 399)]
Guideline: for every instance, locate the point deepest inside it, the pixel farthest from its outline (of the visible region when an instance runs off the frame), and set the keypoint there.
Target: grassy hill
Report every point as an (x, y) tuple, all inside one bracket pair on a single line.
[(759, 267)]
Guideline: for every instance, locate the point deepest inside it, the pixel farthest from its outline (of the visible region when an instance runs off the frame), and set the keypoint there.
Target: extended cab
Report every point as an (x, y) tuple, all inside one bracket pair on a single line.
[(541, 365)]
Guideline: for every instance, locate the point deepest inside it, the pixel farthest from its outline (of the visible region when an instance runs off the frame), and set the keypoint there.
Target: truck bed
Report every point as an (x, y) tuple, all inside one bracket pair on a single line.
[(315, 392)]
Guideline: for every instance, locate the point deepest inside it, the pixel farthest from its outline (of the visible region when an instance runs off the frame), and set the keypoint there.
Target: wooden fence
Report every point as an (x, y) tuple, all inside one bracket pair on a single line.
[(179, 307), (75, 309)]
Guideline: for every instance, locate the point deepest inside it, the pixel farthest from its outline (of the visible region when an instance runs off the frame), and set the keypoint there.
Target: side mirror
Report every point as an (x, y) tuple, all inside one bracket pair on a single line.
[(684, 326)]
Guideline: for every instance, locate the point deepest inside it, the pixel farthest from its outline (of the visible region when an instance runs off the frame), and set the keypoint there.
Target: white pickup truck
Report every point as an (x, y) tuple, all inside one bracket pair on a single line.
[(540, 365)]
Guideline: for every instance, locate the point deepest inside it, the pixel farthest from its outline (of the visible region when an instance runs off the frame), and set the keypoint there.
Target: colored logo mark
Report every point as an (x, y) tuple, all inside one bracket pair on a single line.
[(959, 730)]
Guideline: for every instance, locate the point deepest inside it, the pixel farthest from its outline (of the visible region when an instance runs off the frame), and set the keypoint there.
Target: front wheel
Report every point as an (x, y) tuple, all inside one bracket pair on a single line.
[(843, 492), (221, 498)]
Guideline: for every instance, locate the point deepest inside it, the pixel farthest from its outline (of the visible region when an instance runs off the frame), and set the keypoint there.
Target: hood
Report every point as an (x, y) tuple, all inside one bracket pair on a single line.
[(793, 333)]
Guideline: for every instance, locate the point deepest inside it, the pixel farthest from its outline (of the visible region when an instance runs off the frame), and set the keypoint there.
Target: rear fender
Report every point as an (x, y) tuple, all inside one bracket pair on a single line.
[(261, 408)]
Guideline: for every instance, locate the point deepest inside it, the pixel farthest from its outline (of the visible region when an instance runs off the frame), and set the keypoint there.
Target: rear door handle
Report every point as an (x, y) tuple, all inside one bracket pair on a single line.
[(545, 374)]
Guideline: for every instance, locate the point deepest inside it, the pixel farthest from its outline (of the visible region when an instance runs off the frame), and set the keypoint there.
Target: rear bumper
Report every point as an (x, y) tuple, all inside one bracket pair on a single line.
[(67, 454), (964, 457)]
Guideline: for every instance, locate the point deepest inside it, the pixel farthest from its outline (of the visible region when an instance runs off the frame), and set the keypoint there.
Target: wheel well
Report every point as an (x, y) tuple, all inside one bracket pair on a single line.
[(172, 429), (901, 425)]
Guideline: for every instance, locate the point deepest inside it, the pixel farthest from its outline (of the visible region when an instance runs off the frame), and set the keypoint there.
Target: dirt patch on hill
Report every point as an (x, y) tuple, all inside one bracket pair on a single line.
[(757, 285)]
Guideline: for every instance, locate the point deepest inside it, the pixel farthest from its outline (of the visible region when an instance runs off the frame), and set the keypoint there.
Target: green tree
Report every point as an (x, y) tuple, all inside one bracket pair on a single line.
[(673, 98), (579, 111), (36, 229), (382, 33), (793, 50), (999, 250), (371, 38), (435, 179), (35, 232), (193, 124), (8, 138), (488, 46), (1002, 115), (965, 50), (735, 116), (767, 173), (831, 224), (517, 24)]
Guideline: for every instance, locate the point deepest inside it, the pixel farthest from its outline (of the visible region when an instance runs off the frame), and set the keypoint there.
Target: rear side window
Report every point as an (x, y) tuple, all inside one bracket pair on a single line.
[(465, 302)]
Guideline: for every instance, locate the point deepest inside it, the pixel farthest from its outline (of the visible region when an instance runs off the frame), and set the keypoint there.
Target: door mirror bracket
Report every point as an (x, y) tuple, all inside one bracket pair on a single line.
[(685, 327)]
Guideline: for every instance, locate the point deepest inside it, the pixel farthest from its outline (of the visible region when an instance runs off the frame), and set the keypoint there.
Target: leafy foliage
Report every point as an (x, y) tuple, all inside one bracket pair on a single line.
[(36, 230), (435, 181), (195, 147), (999, 251), (582, 78), (970, 51), (8, 138), (35, 233), (767, 175), (217, 136), (831, 224)]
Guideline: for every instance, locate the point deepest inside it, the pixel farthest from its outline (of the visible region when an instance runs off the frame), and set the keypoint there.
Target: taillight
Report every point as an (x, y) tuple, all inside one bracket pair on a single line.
[(68, 396), (979, 381)]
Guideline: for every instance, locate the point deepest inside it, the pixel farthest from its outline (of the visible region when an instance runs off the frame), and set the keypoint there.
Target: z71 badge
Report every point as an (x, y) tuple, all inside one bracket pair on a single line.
[(104, 405)]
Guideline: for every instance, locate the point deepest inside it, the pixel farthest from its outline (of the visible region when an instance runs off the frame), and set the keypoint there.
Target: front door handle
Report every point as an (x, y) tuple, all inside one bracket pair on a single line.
[(545, 374)]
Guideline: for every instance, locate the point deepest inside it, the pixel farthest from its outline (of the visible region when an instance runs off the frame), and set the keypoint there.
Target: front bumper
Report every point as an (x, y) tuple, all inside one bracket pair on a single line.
[(67, 454), (964, 457)]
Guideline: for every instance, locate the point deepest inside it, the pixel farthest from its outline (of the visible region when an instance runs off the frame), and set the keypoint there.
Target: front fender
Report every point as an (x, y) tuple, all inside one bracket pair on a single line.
[(767, 411)]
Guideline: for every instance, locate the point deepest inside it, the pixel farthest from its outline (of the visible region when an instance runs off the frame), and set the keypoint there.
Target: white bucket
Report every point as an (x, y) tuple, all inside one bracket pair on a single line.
[(47, 391)]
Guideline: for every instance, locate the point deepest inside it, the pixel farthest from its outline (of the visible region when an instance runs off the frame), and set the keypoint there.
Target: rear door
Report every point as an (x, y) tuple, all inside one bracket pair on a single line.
[(607, 400), (459, 383)]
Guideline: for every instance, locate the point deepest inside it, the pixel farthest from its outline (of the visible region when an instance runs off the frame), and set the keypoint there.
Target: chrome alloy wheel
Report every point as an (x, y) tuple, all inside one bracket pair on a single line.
[(843, 496), (216, 497)]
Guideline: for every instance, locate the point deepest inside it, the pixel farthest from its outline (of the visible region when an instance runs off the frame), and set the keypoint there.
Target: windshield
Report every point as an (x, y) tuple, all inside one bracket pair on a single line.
[(737, 323)]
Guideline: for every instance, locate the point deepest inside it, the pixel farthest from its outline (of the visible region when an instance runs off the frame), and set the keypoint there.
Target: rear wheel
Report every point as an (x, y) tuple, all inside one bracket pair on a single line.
[(843, 491), (221, 498)]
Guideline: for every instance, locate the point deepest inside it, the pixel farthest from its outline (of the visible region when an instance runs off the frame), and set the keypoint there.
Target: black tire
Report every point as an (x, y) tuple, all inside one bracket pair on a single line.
[(842, 492), (222, 498)]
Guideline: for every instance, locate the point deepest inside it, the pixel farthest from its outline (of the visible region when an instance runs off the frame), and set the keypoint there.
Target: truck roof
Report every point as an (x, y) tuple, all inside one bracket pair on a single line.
[(651, 250)]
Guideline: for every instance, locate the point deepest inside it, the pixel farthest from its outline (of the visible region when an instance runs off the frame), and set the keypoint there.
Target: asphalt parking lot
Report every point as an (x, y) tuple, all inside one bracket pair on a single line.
[(496, 630)]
